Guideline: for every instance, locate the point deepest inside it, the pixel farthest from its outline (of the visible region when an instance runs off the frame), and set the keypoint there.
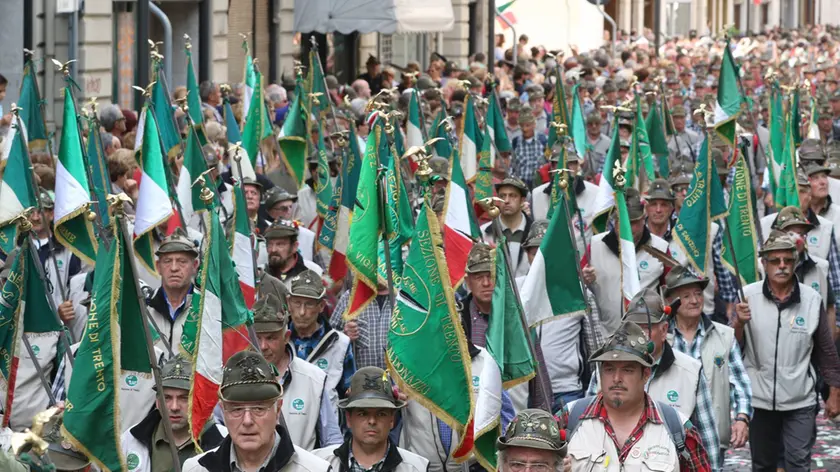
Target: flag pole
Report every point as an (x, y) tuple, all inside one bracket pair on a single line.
[(116, 204), (383, 214), (41, 376)]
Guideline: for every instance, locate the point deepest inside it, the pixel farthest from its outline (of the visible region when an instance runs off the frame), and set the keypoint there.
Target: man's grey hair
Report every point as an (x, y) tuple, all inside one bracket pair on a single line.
[(205, 89), (109, 115), (276, 93), (107, 139)]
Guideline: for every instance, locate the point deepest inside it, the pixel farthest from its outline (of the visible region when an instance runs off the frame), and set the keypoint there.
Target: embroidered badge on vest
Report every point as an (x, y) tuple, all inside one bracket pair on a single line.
[(719, 360)]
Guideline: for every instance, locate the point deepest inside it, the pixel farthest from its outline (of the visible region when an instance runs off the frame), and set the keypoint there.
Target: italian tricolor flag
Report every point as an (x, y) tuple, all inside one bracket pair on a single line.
[(414, 126), (460, 229), (217, 328), (469, 141), (153, 204), (242, 248), (729, 99)]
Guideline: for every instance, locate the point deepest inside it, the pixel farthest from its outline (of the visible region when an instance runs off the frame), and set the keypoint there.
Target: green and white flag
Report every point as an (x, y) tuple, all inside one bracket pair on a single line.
[(605, 199), (72, 189), (495, 124), (249, 79), (510, 362), (415, 125), (741, 223), (442, 148), (550, 289), (469, 143), (194, 100), (257, 126), (112, 344), (170, 136), (813, 129), (153, 204), (729, 99), (322, 183), (643, 150), (17, 191), (188, 194), (484, 177), (703, 204)]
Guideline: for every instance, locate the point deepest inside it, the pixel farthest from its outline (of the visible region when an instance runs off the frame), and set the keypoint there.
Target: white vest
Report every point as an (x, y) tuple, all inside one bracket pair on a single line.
[(302, 402), (607, 286), (30, 397), (834, 189), (709, 293), (833, 215), (421, 435), (714, 355), (818, 239), (62, 261), (817, 278), (171, 330), (411, 462), (518, 258), (591, 448), (331, 361), (301, 461), (540, 201), (137, 395), (677, 386), (307, 210), (306, 242), (778, 347), (137, 455)]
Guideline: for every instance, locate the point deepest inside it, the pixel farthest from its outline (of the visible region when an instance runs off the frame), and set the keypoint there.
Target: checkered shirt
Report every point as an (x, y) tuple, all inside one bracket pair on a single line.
[(528, 157), (724, 279), (374, 323), (740, 389)]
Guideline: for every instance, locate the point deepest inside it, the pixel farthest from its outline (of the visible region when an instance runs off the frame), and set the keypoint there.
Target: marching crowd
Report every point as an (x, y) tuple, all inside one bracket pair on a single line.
[(692, 365)]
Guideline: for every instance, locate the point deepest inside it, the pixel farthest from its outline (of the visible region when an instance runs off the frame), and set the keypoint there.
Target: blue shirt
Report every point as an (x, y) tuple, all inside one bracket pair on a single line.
[(305, 346)]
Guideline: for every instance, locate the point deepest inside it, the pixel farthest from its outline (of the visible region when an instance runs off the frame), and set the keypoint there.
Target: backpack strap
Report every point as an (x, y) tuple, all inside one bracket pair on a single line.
[(670, 416), (676, 427), (578, 407)]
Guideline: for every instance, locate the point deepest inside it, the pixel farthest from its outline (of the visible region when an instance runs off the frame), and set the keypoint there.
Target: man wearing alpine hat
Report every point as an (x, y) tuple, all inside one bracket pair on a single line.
[(622, 427), (534, 440), (371, 411), (785, 333), (251, 397)]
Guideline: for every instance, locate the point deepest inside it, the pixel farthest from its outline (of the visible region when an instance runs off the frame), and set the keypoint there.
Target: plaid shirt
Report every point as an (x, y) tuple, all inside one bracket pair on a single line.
[(356, 467), (725, 281), (374, 323), (703, 416), (305, 346), (697, 460), (529, 156), (740, 391)]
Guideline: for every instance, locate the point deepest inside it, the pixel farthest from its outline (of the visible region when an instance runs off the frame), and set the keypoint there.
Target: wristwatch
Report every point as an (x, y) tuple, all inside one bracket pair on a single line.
[(743, 418)]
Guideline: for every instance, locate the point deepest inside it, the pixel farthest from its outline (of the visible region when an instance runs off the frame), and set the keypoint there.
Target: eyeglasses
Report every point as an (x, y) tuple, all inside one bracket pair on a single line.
[(516, 466), (777, 260), (257, 411), (308, 304)]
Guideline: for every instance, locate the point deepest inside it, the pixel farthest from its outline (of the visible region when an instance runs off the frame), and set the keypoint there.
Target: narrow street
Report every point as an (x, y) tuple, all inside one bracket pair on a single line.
[(825, 457)]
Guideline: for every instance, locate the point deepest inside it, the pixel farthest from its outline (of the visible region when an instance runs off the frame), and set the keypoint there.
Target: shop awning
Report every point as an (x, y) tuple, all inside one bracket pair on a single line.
[(369, 16)]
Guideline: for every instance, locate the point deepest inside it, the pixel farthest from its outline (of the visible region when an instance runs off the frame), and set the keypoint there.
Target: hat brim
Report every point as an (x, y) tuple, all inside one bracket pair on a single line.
[(614, 355), (182, 384), (524, 192), (703, 283), (309, 295), (483, 267), (267, 326), (530, 443), (659, 196), (64, 459), (251, 392), (371, 402)]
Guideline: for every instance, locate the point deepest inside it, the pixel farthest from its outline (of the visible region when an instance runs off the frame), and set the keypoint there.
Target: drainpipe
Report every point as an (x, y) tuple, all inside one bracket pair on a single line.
[(167, 39)]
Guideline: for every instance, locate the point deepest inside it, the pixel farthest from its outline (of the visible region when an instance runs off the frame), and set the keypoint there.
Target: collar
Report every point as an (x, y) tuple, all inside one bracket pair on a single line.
[(665, 361), (611, 240), (287, 376), (178, 308), (234, 461), (295, 269), (703, 326), (316, 336), (812, 217), (159, 302), (793, 299), (466, 324), (220, 459), (597, 410), (345, 452), (523, 222), (825, 207)]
